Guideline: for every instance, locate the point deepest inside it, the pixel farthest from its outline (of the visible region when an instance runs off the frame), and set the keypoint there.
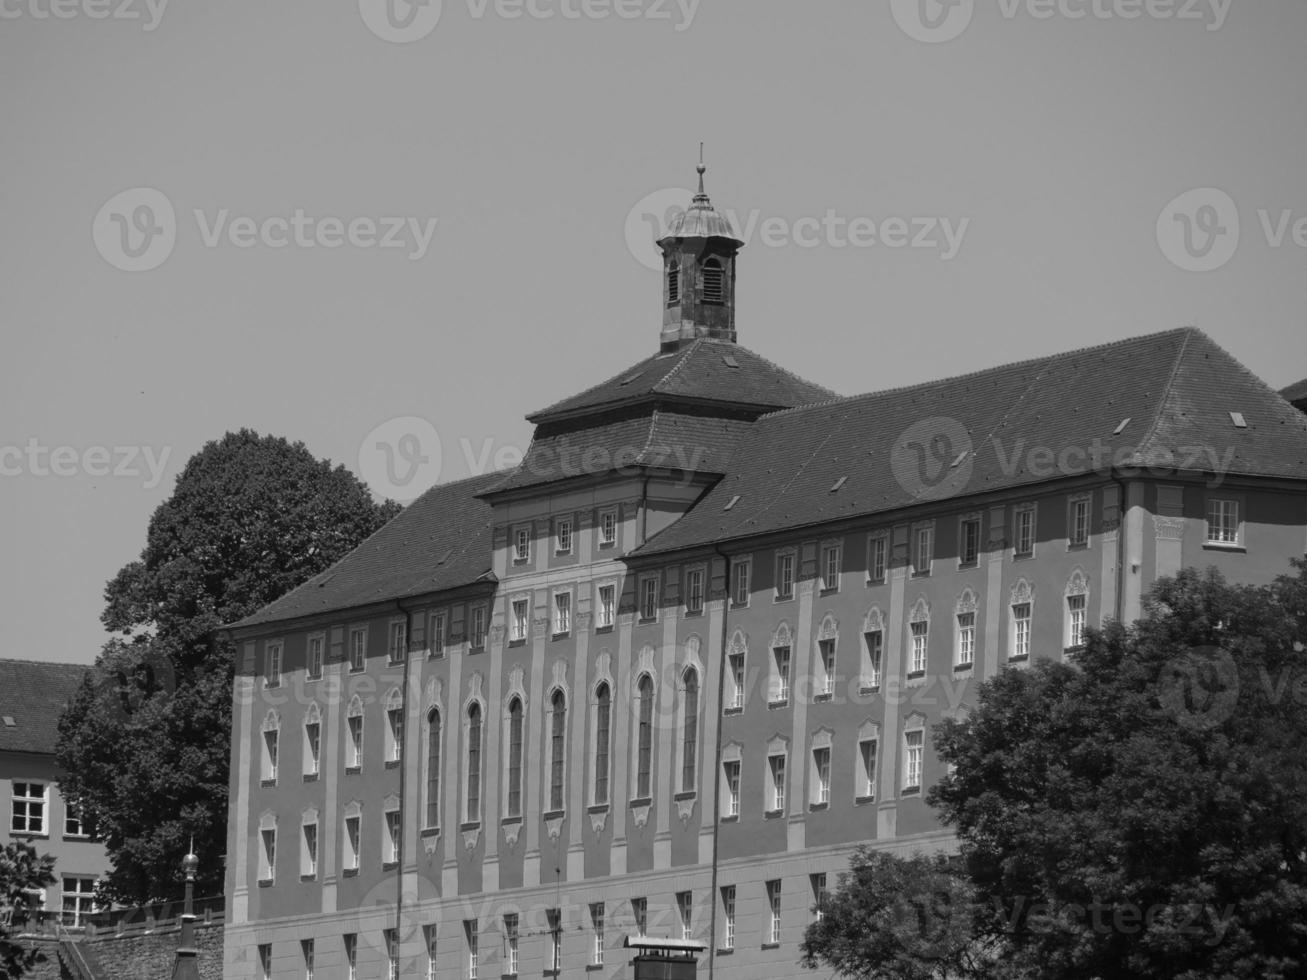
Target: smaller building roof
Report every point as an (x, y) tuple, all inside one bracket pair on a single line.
[(1296, 394), (32, 697)]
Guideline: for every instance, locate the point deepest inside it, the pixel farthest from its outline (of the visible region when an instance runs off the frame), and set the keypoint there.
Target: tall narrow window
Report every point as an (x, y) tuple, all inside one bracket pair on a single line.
[(520, 612), (358, 649), (774, 912), (914, 743), (268, 856), (309, 852), (265, 961), (353, 844), (272, 671), (478, 632), (515, 757), (510, 945), (644, 743), (714, 281), (555, 918), (1075, 627), (607, 528), (351, 956), (354, 721), (690, 731), (315, 657), (694, 591), (562, 613), (785, 576), (640, 913), (673, 282), (776, 774), (433, 768), (685, 910), (597, 928), (563, 536), (1024, 545), (966, 649), (735, 699), (819, 896), (731, 777), (270, 736), (728, 917), (920, 639), (429, 941), (821, 776), (781, 683), (1020, 630), (826, 666), (398, 642), (557, 749), (1078, 531), (306, 950), (740, 578), (607, 606), (873, 647), (969, 541), (877, 550), (649, 598), (391, 937), (603, 729), (474, 763), (830, 567), (470, 932), (395, 728), (923, 550), (522, 545), (393, 837), (312, 740), (867, 769), (438, 635)]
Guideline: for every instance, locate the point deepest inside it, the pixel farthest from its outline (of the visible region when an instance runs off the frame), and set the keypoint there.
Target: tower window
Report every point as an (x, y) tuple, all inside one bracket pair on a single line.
[(673, 283), (714, 281)]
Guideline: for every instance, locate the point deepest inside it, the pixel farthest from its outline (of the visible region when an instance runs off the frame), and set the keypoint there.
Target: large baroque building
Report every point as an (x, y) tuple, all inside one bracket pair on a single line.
[(665, 675)]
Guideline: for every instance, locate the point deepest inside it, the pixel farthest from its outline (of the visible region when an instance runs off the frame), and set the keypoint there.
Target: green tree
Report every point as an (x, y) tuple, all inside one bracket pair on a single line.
[(145, 743), (21, 874)]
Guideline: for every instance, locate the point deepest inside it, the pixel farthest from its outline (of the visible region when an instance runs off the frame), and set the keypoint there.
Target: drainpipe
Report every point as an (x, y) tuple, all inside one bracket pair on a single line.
[(1120, 547), (717, 768), (403, 768), (644, 511)]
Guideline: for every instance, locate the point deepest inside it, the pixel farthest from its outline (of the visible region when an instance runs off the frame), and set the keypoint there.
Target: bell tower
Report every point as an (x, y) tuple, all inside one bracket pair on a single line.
[(699, 253)]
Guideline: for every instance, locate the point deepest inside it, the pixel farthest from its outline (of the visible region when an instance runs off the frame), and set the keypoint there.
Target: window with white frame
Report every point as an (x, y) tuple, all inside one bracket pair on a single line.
[(831, 561), (1024, 531), (477, 635), (557, 750), (429, 944), (607, 606), (877, 557), (439, 634), (265, 961), (272, 664), (866, 772), (740, 571), (393, 839), (640, 914), (353, 854), (78, 899), (1020, 630), (391, 939), (964, 654), (913, 750), (563, 536), (774, 912), (1078, 521), (74, 826), (784, 575), (825, 669), (309, 847), (306, 950), (776, 782), (351, 943), (398, 647), (607, 528), (735, 677), (562, 613), (781, 675), (920, 630), (820, 782), (516, 749), (603, 741), (473, 764), (644, 693), (685, 912), (597, 933), (1075, 620), (358, 649), (555, 919), (728, 917), (510, 944), (923, 548), (521, 545), (470, 934), (268, 851), (689, 729), (30, 804), (317, 642), (648, 598), (354, 725), (731, 784), (521, 612), (394, 726), (694, 591), (271, 734), (819, 896), (1222, 521), (968, 541), (433, 768), (873, 650)]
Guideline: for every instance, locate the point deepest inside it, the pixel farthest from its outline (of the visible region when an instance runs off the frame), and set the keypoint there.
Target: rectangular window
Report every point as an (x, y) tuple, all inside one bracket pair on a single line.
[(73, 825), (640, 913), (306, 950), (969, 541), (78, 900), (913, 747), (597, 929), (1075, 620), (1222, 521), (785, 576), (395, 729), (731, 776), (309, 854), (1024, 535), (607, 606), (352, 856), (270, 746), (398, 642), (965, 654), (867, 769), (776, 774), (358, 649), (920, 641), (510, 944), (272, 673), (268, 854), (563, 536), (355, 741), (735, 699), (478, 634), (819, 896), (830, 567), (923, 550), (438, 635), (392, 836), (555, 939), (521, 545), (391, 937), (1078, 523), (608, 529), (694, 591), (649, 598), (826, 666), (877, 558), (470, 932), (29, 808), (774, 912), (1020, 630), (315, 657), (740, 580), (781, 684), (872, 656), (521, 608), (429, 941), (728, 917), (351, 956), (562, 613), (265, 961), (821, 776), (685, 909)]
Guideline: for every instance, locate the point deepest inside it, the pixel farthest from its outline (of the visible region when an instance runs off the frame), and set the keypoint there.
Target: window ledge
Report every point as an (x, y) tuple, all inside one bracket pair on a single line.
[(389, 865), (863, 800), (968, 564), (733, 710), (392, 763), (739, 605), (563, 635), (272, 685), (428, 832), (313, 677), (1234, 549), (829, 590), (731, 818), (353, 770), (470, 825), (1078, 648), (725, 950), (771, 946), (592, 967), (1024, 556), (959, 668), (308, 877), (551, 973), (267, 782), (815, 807), (910, 791), (772, 814), (784, 598), (519, 562), (555, 814), (607, 544), (693, 613), (647, 620), (688, 794), (1018, 658), (517, 643), (824, 696), (1077, 546), (925, 574), (357, 670), (779, 703), (350, 873), (510, 821), (872, 689), (265, 882), (604, 629), (642, 801), (477, 649), (310, 777), (916, 674)]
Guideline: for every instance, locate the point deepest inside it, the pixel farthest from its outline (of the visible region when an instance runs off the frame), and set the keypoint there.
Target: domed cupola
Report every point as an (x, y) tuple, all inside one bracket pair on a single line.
[(699, 253)]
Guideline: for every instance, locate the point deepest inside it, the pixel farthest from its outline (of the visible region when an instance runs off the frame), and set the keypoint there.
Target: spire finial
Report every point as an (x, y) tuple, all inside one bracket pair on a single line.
[(702, 196)]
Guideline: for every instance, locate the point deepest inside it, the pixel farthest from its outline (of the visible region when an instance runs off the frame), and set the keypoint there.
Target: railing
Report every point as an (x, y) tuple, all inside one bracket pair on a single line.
[(119, 922), (70, 955)]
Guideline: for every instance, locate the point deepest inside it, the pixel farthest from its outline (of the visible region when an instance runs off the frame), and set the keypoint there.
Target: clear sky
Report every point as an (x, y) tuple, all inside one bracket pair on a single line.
[(1037, 163)]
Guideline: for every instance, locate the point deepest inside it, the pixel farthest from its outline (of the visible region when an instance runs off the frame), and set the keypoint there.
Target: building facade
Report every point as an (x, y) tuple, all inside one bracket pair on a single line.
[(663, 678), (32, 697)]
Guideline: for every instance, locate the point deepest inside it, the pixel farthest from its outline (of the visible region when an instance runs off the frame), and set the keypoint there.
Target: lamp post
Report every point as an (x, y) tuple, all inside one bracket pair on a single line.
[(186, 967)]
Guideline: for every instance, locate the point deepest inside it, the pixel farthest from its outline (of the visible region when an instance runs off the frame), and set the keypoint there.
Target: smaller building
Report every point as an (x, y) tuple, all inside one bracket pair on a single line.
[(1296, 395), (32, 810)]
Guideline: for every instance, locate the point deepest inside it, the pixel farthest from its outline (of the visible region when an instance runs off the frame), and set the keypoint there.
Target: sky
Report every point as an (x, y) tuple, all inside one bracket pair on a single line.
[(391, 229)]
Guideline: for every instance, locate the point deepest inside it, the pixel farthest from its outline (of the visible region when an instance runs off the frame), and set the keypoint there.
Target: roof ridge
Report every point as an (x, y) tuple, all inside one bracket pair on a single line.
[(44, 663), (953, 379), (1162, 398), (787, 372), (548, 409), (680, 363)]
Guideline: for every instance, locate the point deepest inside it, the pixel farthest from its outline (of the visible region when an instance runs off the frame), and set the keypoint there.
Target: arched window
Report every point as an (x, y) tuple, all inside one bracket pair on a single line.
[(714, 281), (433, 768), (474, 763), (515, 757), (557, 740), (603, 739), (673, 282), (690, 730), (644, 740)]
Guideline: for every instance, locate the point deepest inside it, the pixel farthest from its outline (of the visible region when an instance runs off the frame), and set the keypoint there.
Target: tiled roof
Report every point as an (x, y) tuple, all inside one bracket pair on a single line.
[(701, 371), (1297, 394), (663, 440), (440, 541), (895, 448), (33, 695)]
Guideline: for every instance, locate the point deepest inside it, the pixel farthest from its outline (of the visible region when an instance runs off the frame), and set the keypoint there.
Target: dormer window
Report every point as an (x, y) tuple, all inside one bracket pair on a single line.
[(714, 281), (673, 283)]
